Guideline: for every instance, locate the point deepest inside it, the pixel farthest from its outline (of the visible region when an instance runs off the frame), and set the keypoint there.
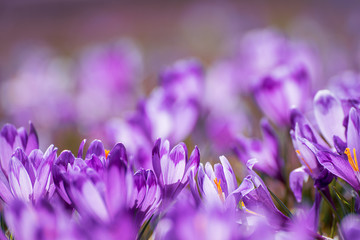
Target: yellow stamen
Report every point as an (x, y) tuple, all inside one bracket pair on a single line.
[(353, 164), (249, 211), (298, 152), (107, 153), (217, 183)]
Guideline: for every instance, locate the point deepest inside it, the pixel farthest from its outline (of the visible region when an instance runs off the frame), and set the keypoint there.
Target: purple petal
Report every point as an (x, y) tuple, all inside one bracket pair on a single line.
[(336, 164), (20, 183), (96, 148), (23, 137), (156, 158), (33, 140), (43, 173), (36, 157), (5, 192), (117, 155), (66, 157), (350, 227), (192, 165), (353, 130), (173, 167), (81, 149), (9, 132), (26, 162), (329, 115), (229, 174), (297, 178)]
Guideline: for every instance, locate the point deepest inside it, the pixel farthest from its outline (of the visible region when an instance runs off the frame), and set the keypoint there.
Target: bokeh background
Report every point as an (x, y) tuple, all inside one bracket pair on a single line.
[(45, 47)]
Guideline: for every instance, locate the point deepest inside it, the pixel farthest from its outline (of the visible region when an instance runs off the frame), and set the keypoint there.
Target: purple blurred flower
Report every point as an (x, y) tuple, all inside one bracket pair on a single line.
[(283, 88), (173, 168), (346, 85), (266, 151), (171, 111), (262, 51), (40, 83), (40, 221), (186, 222), (109, 77), (350, 227)]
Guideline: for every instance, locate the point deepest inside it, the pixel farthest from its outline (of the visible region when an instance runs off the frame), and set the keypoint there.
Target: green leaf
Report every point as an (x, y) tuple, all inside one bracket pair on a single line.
[(284, 209)]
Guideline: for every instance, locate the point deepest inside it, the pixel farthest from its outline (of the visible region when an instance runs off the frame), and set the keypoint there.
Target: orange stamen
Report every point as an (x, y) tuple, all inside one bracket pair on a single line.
[(353, 164), (107, 153), (217, 183), (298, 152)]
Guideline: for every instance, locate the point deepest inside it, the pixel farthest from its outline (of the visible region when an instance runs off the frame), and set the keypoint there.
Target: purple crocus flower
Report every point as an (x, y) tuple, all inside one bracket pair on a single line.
[(109, 76), (27, 176), (303, 135), (261, 51), (102, 186), (170, 112), (218, 186), (11, 139), (257, 199), (285, 87), (266, 151), (173, 168)]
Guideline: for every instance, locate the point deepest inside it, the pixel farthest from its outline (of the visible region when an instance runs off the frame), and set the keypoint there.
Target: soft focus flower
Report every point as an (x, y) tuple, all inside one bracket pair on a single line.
[(266, 151)]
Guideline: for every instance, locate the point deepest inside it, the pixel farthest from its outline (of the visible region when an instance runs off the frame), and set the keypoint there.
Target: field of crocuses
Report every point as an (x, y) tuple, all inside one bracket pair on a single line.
[(256, 139)]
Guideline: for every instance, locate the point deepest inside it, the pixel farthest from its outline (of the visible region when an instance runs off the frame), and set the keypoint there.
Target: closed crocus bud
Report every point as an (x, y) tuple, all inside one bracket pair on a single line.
[(173, 168), (285, 87)]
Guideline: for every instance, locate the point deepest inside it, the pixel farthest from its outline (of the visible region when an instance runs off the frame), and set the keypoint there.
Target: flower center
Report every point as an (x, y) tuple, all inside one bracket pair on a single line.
[(353, 164), (107, 153), (301, 157)]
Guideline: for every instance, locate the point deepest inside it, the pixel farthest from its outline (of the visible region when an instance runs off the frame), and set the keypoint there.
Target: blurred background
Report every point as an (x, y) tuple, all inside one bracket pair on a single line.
[(57, 58)]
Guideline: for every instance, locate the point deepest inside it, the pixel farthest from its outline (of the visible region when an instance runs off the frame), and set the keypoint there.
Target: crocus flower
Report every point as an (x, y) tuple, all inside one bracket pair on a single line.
[(102, 186), (218, 186), (11, 139), (303, 134), (27, 176), (266, 151), (257, 199), (171, 111), (108, 79), (285, 87), (261, 51), (173, 168)]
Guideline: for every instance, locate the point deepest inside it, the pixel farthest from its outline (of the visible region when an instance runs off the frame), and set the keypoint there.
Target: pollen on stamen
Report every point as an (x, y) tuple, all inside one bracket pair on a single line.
[(298, 152), (107, 153), (353, 164), (217, 183)]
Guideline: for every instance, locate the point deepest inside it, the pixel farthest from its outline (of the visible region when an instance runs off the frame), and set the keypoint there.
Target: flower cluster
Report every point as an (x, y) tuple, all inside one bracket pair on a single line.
[(190, 161)]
